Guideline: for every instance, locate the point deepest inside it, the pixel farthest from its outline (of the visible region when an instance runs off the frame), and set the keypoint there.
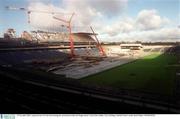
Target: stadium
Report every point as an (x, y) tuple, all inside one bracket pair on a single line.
[(72, 71)]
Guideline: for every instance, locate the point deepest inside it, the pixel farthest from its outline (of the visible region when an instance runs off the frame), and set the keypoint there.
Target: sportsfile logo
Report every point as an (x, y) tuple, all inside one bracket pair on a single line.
[(7, 116)]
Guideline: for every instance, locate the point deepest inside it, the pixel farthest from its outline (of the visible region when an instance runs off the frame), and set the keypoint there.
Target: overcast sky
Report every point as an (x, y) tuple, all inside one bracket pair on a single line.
[(113, 20)]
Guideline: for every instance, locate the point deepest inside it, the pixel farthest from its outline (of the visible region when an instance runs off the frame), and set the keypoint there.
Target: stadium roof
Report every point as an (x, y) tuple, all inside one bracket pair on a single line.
[(131, 45), (84, 33)]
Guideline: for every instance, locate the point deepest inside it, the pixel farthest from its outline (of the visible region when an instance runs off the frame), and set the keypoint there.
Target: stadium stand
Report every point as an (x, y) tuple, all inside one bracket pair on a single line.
[(39, 90), (147, 50), (21, 57), (61, 36), (87, 52)]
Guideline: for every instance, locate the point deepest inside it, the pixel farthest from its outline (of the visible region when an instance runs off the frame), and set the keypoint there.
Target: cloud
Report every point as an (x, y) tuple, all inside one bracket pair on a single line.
[(85, 14), (150, 19), (163, 34), (144, 21), (120, 26), (44, 20), (109, 7), (106, 7), (148, 25), (88, 12)]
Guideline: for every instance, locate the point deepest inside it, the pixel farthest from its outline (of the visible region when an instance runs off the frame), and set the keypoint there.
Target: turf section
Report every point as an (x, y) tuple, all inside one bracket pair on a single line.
[(147, 74)]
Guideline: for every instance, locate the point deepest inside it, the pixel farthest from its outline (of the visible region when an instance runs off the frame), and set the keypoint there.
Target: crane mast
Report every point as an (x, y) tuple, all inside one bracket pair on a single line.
[(101, 50)]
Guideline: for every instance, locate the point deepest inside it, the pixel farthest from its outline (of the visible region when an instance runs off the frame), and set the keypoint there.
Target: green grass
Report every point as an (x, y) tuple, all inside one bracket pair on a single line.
[(148, 74)]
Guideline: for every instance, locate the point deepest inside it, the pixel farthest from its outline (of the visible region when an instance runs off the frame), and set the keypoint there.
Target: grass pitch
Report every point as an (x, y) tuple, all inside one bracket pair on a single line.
[(147, 74)]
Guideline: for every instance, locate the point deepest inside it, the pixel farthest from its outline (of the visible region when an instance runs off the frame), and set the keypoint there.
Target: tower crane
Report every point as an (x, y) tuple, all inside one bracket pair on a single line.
[(68, 22)]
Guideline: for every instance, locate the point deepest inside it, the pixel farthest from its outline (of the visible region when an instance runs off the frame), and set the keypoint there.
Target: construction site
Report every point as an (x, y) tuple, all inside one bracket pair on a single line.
[(72, 71)]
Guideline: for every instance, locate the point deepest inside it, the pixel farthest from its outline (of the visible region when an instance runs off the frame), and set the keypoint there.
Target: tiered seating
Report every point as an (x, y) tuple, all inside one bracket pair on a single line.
[(147, 50), (94, 52), (20, 57), (156, 49), (63, 37)]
